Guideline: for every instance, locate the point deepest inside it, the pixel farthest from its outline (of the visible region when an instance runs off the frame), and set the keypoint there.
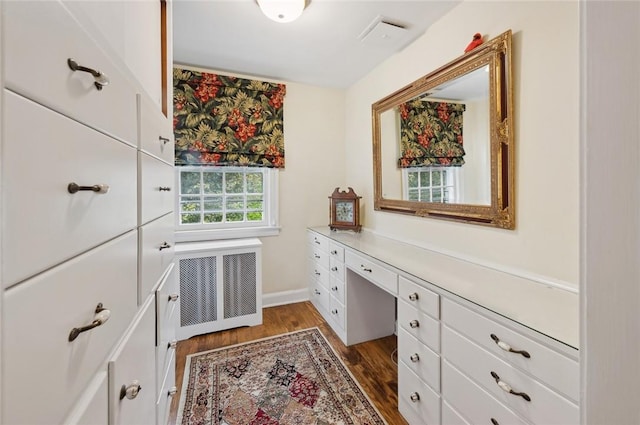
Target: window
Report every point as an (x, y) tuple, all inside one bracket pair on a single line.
[(218, 198), (431, 184)]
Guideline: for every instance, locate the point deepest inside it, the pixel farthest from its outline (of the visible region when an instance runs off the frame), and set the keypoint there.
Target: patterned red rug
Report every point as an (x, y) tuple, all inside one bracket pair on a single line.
[(294, 378)]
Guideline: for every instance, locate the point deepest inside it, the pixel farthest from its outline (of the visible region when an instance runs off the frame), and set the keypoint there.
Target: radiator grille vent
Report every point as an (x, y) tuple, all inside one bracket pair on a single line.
[(239, 284), (198, 289)]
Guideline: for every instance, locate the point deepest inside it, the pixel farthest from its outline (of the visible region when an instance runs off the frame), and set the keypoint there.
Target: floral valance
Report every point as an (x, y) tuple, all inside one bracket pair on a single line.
[(430, 134), (227, 121)]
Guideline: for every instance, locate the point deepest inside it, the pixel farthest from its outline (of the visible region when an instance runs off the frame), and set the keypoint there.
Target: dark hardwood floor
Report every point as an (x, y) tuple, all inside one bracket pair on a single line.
[(369, 362)]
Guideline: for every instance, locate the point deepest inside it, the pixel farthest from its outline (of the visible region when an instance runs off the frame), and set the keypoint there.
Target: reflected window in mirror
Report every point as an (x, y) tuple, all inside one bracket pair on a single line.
[(431, 184)]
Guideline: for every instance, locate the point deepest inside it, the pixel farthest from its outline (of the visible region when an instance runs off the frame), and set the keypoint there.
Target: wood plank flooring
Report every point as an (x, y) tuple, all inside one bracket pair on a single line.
[(369, 362)]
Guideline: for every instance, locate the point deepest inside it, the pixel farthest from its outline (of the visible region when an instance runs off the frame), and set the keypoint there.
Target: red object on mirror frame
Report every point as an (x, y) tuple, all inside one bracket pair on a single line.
[(477, 40)]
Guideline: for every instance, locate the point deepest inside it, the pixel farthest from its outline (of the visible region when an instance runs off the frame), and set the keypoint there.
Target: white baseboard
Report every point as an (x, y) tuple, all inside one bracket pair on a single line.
[(285, 297)]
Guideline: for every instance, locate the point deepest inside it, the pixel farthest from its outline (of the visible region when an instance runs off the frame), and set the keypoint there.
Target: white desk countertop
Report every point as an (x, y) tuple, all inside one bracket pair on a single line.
[(551, 311)]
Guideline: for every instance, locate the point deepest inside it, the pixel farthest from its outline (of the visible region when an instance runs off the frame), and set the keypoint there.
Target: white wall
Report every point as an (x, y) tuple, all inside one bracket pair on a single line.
[(546, 69)]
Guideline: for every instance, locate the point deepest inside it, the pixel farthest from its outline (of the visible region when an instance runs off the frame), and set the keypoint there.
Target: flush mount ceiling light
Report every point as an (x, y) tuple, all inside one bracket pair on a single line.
[(282, 10)]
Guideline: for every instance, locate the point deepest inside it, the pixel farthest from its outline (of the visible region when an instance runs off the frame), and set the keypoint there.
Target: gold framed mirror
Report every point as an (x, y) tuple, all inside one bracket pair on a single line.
[(443, 146)]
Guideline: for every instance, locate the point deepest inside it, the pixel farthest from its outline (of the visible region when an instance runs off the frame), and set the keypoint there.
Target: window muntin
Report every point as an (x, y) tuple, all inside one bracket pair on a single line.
[(431, 184)]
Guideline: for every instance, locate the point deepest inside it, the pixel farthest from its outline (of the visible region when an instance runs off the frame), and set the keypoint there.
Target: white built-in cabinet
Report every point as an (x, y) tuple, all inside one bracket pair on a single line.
[(89, 292), (458, 362)]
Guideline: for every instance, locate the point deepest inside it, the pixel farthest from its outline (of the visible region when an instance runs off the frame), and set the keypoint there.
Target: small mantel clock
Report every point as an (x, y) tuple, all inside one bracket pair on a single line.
[(344, 210)]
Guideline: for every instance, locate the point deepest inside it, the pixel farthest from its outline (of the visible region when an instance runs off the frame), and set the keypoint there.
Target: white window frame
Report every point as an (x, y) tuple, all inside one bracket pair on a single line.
[(453, 182), (269, 226)]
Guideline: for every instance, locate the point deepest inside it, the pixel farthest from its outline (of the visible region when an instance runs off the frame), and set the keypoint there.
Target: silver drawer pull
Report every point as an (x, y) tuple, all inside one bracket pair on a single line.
[(164, 189), (334, 311), (506, 347), (317, 273), (174, 297), (415, 397), (414, 324), (316, 255), (316, 241), (102, 315), (334, 252), (415, 357), (365, 269), (413, 297), (172, 391), (97, 188), (164, 140), (507, 388), (334, 288), (334, 269), (100, 80), (172, 344), (315, 291), (130, 391), (165, 245)]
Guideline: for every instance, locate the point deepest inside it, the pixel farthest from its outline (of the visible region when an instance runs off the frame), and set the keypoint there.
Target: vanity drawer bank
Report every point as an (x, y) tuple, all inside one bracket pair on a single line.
[(475, 345)]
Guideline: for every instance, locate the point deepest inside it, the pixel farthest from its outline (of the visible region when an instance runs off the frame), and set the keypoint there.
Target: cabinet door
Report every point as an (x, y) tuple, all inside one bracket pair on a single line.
[(92, 406)]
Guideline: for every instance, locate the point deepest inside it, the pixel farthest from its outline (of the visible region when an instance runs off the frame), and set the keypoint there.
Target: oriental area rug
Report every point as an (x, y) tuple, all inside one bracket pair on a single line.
[(294, 378)]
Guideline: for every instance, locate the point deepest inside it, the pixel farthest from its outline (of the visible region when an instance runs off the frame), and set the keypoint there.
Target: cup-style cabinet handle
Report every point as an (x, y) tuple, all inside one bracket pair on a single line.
[(507, 388), (506, 347), (97, 188), (165, 245), (101, 316), (100, 80), (415, 397), (413, 297), (130, 391), (414, 324), (415, 358)]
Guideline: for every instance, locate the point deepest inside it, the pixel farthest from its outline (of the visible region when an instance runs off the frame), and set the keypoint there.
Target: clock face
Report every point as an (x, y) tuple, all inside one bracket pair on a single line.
[(344, 211)]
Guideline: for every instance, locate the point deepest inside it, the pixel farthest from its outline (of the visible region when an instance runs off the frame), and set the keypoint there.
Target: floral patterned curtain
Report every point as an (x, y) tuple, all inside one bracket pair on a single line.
[(227, 121), (430, 134)]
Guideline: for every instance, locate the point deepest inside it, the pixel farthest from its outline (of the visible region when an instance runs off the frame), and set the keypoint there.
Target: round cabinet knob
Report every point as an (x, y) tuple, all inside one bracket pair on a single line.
[(414, 397), (130, 391), (334, 269), (334, 311), (173, 391), (334, 252), (334, 288), (414, 324), (173, 344), (415, 357), (413, 297)]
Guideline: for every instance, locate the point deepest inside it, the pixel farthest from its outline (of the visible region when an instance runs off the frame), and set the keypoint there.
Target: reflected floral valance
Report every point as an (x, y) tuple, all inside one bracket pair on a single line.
[(430, 134), (227, 121)]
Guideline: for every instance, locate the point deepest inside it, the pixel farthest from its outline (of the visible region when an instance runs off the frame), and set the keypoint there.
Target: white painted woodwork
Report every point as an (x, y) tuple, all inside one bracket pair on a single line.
[(44, 223), (167, 392), (42, 312), (91, 408), (155, 177), (370, 270), (321, 257), (157, 248), (167, 321), (133, 364), (422, 361), (419, 325), (156, 133), (336, 251), (425, 410), (451, 417), (419, 297), (317, 240), (39, 70)]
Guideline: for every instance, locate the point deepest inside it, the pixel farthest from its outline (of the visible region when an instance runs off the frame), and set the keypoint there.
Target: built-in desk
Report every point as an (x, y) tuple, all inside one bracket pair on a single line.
[(475, 344)]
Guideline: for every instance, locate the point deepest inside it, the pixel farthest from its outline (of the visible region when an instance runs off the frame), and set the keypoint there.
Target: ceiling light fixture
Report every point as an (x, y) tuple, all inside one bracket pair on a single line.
[(282, 10)]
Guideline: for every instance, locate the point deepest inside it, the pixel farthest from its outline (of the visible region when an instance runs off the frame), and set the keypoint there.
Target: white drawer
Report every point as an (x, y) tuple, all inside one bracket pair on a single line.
[(425, 408), (321, 275), (43, 223), (131, 367), (156, 188), (384, 278), (551, 367), (156, 253), (337, 312), (336, 268), (337, 289), (421, 360), (320, 296), (92, 406), (474, 403), (321, 257), (39, 360), (544, 405), (419, 297), (336, 251), (419, 325), (167, 321), (39, 38), (451, 417), (318, 241), (167, 392), (155, 132)]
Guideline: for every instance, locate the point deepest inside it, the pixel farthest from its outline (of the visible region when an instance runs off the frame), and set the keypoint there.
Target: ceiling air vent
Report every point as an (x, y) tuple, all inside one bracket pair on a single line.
[(383, 33)]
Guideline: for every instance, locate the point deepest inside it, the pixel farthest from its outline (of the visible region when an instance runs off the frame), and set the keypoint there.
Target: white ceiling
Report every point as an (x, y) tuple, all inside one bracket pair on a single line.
[(321, 48)]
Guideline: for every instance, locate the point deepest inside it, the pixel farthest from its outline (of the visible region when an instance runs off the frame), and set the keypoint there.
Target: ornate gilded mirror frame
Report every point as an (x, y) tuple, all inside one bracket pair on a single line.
[(496, 55)]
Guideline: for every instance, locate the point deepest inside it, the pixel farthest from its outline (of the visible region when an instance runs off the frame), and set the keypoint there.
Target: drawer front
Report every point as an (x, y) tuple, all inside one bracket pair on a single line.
[(337, 289), (156, 253), (43, 223), (39, 70), (336, 268), (424, 409), (551, 367), (40, 362), (337, 312), (321, 257), (320, 297), (384, 278), (336, 251), (419, 297), (419, 325), (156, 188), (166, 394), (156, 133), (421, 360), (451, 417), (321, 275), (91, 408), (473, 402), (167, 321), (129, 370), (318, 241), (544, 407)]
